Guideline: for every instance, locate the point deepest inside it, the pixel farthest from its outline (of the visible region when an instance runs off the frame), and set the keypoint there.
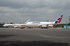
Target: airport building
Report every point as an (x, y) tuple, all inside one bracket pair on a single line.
[(66, 26)]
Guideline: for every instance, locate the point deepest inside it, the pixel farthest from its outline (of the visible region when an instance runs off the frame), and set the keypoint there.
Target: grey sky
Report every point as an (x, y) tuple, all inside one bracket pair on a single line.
[(38, 10)]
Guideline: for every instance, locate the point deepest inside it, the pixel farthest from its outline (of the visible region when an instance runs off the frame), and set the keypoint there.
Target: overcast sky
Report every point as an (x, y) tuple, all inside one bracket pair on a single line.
[(18, 11)]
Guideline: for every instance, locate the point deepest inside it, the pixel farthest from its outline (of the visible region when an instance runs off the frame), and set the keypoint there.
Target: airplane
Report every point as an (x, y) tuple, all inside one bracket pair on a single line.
[(12, 25), (15, 25), (37, 24), (44, 24)]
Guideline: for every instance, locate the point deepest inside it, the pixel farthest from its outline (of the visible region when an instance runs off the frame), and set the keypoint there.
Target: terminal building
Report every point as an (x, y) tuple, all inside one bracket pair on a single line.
[(66, 26)]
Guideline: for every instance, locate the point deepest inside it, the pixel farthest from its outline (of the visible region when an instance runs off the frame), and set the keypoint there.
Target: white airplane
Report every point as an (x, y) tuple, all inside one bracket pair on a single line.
[(15, 25), (12, 25), (36, 24), (44, 24)]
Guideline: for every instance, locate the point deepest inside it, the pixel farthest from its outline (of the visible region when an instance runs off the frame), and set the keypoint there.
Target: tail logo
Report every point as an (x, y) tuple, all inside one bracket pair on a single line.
[(59, 20)]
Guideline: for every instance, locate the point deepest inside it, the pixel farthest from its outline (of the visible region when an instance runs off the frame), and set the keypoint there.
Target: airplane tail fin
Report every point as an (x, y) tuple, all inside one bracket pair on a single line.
[(59, 20)]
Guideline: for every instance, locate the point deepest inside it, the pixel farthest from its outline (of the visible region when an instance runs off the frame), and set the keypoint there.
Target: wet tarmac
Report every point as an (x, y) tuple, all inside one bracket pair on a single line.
[(34, 37)]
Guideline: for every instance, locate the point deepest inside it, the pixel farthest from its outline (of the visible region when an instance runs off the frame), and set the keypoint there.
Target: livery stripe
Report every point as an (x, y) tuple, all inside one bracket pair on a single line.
[(59, 19)]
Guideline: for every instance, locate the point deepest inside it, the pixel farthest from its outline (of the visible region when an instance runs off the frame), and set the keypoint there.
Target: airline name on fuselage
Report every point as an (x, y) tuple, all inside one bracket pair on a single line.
[(36, 22)]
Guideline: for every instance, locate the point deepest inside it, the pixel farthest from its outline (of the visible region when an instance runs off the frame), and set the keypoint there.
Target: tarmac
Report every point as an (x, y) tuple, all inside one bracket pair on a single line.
[(34, 37)]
